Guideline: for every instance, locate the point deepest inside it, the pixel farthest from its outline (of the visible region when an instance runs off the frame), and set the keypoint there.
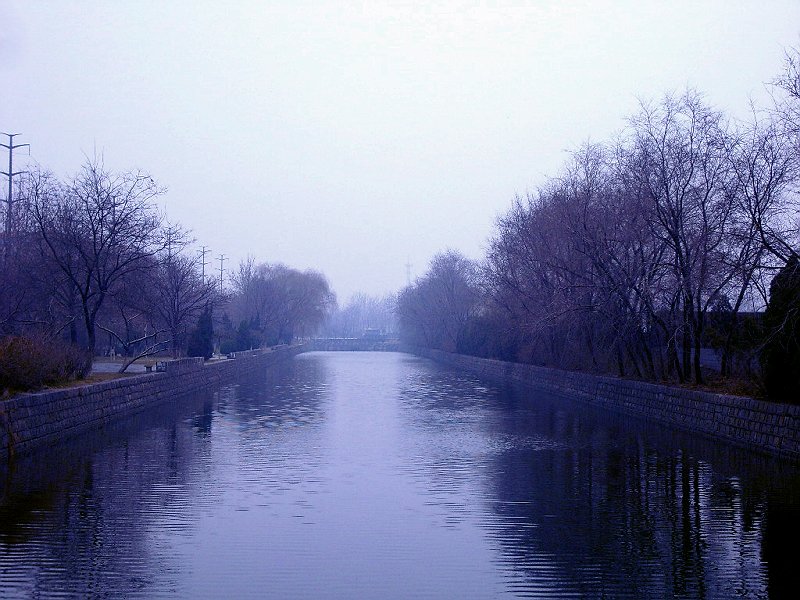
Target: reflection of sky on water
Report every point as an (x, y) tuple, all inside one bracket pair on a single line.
[(381, 475)]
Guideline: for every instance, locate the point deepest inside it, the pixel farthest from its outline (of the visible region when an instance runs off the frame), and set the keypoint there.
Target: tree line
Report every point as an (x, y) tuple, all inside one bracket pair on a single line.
[(677, 237), (90, 265)]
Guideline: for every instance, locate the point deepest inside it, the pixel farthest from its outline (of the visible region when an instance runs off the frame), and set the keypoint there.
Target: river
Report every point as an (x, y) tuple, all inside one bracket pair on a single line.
[(383, 475)]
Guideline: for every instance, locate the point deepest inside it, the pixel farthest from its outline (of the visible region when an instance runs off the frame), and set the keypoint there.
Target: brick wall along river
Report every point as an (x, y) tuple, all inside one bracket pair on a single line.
[(759, 425), (28, 421)]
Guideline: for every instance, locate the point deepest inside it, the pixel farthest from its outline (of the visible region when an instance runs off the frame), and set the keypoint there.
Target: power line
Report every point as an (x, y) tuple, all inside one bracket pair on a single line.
[(11, 146)]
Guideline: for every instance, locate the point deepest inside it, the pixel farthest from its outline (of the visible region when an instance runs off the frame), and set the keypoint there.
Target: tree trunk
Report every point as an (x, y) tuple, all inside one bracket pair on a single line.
[(91, 336), (698, 344)]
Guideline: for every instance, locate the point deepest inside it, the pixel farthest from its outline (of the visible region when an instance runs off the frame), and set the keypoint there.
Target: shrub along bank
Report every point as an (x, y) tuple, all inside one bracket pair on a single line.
[(29, 363)]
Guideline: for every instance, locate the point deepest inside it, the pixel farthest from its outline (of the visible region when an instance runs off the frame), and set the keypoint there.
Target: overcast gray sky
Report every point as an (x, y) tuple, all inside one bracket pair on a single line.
[(354, 137)]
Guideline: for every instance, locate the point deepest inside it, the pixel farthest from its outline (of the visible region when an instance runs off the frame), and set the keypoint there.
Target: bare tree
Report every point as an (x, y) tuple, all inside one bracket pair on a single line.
[(180, 295), (99, 229), (621, 260), (680, 161), (434, 311), (34, 296), (787, 102)]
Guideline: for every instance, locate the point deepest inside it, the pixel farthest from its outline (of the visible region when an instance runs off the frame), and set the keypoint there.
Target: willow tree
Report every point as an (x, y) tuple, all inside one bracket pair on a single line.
[(279, 302)]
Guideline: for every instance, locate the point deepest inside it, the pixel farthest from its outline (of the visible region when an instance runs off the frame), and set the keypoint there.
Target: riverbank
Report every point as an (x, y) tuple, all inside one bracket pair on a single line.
[(756, 424), (33, 420)]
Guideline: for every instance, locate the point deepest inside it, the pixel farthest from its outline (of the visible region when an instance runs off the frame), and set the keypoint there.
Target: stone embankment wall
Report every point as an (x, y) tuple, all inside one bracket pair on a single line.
[(759, 425), (28, 421)]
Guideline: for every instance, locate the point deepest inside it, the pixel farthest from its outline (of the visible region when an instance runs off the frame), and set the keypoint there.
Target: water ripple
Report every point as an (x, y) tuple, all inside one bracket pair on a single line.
[(367, 475)]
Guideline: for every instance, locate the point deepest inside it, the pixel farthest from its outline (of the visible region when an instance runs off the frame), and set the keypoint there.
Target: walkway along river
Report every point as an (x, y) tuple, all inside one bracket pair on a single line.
[(383, 475)]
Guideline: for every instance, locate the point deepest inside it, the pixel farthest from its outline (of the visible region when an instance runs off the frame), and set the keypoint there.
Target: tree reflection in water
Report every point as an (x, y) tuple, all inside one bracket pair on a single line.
[(384, 475)]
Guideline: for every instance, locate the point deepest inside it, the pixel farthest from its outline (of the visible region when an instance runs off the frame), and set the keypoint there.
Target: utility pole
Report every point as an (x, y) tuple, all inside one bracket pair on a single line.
[(11, 146), (408, 271), (202, 252), (221, 259), (170, 233)]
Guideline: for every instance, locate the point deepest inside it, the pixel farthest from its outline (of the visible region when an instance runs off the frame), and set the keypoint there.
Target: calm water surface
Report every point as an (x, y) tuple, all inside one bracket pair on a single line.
[(376, 475)]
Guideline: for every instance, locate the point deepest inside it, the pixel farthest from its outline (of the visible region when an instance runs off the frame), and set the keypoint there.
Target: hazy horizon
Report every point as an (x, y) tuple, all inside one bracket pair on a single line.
[(356, 139)]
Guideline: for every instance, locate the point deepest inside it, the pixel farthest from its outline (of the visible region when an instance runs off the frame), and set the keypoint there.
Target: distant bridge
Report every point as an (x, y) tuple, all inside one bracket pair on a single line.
[(362, 344)]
